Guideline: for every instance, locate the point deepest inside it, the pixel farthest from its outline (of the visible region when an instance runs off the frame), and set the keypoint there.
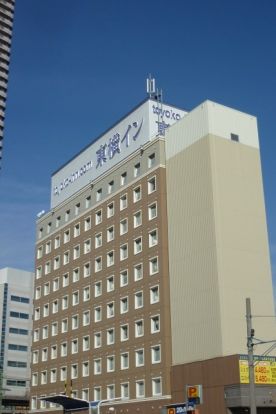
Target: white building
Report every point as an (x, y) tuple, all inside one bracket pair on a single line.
[(16, 303)]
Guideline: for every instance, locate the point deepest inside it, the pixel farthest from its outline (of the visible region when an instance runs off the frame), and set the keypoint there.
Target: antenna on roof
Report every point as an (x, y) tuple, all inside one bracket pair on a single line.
[(150, 86)]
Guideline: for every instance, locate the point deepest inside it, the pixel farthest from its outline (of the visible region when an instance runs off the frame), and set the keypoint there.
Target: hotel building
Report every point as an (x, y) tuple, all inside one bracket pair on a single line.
[(6, 24), (16, 309), (155, 237)]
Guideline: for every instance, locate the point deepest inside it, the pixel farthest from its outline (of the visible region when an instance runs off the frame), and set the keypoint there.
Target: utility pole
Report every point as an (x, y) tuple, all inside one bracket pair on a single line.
[(250, 348)]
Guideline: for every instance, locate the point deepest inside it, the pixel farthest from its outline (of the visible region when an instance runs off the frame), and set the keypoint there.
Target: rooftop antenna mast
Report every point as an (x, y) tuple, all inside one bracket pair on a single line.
[(151, 87)]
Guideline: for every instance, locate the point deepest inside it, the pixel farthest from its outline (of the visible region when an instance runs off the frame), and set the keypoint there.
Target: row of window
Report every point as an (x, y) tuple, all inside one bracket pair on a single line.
[(18, 331), (98, 286), (17, 364), (99, 195), (110, 256), (110, 234), (110, 333), (20, 315), (98, 366), (110, 306), (140, 392), (20, 299)]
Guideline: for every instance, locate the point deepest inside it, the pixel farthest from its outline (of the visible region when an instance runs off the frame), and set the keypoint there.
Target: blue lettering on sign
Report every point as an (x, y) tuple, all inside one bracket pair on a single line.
[(170, 114)]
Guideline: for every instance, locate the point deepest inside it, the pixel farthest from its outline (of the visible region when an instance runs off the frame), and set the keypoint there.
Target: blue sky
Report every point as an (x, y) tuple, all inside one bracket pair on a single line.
[(78, 66)]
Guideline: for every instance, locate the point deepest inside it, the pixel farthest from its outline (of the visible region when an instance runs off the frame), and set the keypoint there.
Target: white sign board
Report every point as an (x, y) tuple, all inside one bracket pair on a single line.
[(137, 128)]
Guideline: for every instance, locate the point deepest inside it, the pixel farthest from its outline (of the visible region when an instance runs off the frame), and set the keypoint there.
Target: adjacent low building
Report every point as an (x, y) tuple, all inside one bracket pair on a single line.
[(155, 237)]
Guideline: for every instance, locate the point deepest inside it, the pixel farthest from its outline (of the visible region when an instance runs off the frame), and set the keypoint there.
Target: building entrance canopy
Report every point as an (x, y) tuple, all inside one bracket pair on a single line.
[(68, 403)]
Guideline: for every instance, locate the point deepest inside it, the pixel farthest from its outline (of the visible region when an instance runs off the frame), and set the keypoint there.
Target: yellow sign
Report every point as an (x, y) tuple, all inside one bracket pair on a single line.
[(171, 411), (193, 391), (265, 370)]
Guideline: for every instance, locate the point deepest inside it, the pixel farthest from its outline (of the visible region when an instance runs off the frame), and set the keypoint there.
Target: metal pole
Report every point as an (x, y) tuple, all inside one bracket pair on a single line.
[(250, 348)]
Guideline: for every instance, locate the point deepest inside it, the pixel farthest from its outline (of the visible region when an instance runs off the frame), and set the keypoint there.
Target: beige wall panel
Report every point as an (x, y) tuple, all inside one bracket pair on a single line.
[(194, 290)]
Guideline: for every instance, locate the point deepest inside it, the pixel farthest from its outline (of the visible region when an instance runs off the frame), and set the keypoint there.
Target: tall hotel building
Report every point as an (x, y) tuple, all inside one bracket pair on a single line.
[(6, 24), (155, 237)]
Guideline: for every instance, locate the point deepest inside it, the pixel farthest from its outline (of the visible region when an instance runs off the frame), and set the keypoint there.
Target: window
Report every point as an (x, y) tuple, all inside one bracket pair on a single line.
[(58, 220), (34, 379), (98, 240), (97, 394), (55, 306), (97, 340), (46, 289), (156, 354), (63, 373), (64, 302), (67, 215), (110, 233), (48, 247), (35, 357), (123, 226), (98, 264), (87, 223), (87, 246), (65, 280), (86, 318), (124, 305), (98, 289), (110, 336), (110, 258), (124, 332), (47, 268), (46, 310), (153, 265), (77, 209), (76, 252), (75, 298), (38, 292), (39, 252), (38, 273), (44, 355), (153, 238), (138, 300), (138, 245), (155, 324), (97, 366), (137, 194), (66, 236), (77, 230), (110, 283), (140, 388), (125, 390), (99, 194), (45, 332), (74, 371), (37, 314), (85, 369), (74, 346), (57, 242), (110, 210), (139, 328), (49, 225), (40, 233), (64, 325), (53, 351), (137, 219), (156, 386), (123, 178), (139, 357), (56, 262), (88, 202), (33, 403), (125, 360), (86, 270), (66, 257), (138, 272), (152, 211), (235, 137), (98, 314), (137, 169), (110, 187), (123, 278), (151, 185), (36, 335), (154, 294), (86, 293), (75, 321), (110, 391), (123, 202), (110, 310), (54, 328), (110, 363), (124, 251), (86, 343), (63, 349), (43, 378), (55, 284), (151, 160), (98, 217)]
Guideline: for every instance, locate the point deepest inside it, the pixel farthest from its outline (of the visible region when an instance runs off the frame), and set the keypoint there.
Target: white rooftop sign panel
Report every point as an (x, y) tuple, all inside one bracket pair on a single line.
[(139, 127)]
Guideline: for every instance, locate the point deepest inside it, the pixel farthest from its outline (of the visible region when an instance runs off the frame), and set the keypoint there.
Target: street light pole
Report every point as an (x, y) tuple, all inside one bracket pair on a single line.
[(250, 349)]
